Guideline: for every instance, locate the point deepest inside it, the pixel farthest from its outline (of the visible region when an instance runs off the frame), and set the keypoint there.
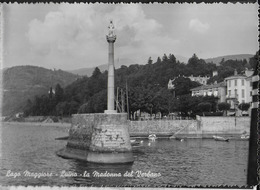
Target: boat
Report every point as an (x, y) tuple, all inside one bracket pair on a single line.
[(219, 138), (62, 138), (136, 144), (245, 137), (152, 137)]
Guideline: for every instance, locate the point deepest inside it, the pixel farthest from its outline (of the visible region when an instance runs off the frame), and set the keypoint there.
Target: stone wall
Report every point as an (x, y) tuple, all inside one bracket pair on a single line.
[(203, 127), (160, 127), (81, 130), (99, 132), (110, 133), (224, 126), (99, 138)]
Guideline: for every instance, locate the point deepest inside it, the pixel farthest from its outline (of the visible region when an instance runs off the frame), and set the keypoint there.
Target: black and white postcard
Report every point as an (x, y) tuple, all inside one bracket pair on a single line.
[(129, 95)]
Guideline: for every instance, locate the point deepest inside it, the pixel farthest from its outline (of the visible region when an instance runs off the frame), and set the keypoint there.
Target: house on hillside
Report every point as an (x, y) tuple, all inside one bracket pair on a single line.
[(217, 90), (239, 88), (215, 73), (170, 84), (199, 79)]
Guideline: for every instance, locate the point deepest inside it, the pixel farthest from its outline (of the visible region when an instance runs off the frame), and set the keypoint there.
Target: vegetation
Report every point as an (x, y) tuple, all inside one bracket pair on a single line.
[(223, 106), (21, 83), (204, 107), (244, 106), (146, 86)]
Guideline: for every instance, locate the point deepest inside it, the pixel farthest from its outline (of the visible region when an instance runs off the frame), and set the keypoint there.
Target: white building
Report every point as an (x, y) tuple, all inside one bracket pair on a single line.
[(217, 90), (239, 88), (215, 73), (170, 84), (199, 79)]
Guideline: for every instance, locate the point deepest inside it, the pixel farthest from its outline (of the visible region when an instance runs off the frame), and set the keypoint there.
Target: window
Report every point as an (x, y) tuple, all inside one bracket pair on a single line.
[(236, 82), (243, 82), (229, 83), (236, 95), (243, 93), (229, 93)]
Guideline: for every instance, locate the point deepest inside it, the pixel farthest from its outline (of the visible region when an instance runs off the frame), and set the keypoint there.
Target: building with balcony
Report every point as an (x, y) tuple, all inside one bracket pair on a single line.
[(239, 88), (217, 90)]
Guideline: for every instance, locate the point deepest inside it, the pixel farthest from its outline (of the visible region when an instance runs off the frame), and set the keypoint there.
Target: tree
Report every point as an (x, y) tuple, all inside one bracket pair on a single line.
[(172, 58), (193, 61), (223, 106), (150, 61), (254, 60), (51, 93), (183, 85), (58, 93), (204, 107), (28, 108), (62, 108), (244, 106), (222, 60), (165, 58), (96, 104), (96, 73), (159, 60), (83, 108)]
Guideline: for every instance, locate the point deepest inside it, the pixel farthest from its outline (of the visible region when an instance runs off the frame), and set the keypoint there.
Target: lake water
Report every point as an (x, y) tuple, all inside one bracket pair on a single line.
[(28, 149)]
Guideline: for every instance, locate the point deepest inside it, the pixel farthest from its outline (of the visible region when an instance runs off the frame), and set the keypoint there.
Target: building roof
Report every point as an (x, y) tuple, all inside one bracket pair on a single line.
[(235, 77), (205, 87)]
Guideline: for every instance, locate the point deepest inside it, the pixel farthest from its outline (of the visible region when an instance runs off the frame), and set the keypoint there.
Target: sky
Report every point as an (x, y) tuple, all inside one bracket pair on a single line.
[(72, 36)]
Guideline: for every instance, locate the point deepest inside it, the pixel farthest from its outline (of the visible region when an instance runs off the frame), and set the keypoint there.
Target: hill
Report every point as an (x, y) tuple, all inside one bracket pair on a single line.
[(102, 68), (217, 60), (21, 83), (118, 63)]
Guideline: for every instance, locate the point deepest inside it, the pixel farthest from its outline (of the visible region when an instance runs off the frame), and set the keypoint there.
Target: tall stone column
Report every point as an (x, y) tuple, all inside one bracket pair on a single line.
[(101, 137), (111, 38)]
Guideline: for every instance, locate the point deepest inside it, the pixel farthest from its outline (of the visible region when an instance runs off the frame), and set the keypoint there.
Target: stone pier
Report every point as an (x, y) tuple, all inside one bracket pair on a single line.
[(99, 138)]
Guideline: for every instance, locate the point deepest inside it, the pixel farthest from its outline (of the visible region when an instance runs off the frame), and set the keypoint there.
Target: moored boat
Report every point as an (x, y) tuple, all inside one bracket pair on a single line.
[(245, 137), (136, 144), (219, 138), (152, 137)]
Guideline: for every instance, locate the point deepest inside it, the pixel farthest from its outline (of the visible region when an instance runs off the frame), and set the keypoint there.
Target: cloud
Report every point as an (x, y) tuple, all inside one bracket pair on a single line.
[(79, 30), (197, 26)]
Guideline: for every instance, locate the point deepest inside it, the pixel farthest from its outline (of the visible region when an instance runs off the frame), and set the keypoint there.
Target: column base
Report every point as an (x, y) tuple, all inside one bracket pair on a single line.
[(110, 111), (97, 157)]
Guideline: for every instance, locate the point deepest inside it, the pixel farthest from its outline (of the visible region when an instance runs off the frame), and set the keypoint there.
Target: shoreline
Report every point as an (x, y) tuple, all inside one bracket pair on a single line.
[(56, 124)]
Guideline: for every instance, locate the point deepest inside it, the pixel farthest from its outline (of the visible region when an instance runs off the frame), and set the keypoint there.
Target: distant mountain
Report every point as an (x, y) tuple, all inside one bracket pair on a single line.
[(102, 68), (118, 63), (21, 83), (217, 60)]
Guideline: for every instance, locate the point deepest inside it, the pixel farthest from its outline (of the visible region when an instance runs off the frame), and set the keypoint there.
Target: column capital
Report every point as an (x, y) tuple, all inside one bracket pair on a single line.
[(111, 39)]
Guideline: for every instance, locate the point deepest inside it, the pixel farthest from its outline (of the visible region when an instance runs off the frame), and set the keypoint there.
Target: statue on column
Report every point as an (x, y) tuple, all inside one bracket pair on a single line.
[(111, 29)]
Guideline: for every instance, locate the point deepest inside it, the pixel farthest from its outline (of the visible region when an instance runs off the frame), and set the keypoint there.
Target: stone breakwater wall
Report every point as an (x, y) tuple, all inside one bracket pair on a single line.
[(202, 127), (99, 138)]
